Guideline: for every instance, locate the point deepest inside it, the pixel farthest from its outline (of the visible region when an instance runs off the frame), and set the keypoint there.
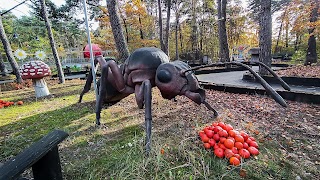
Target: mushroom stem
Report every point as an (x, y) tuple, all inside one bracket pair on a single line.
[(40, 87)]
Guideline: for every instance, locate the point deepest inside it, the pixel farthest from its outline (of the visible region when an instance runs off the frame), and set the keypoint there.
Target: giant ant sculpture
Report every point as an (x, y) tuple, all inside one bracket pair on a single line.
[(148, 67)]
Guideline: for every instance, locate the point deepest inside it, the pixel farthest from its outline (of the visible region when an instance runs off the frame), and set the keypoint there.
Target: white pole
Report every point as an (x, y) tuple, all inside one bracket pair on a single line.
[(90, 47)]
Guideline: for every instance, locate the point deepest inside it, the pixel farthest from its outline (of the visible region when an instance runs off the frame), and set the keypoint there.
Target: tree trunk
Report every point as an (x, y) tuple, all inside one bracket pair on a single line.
[(126, 29), (181, 38), (287, 35), (176, 36), (125, 24), (8, 50), (194, 38), (162, 46), (121, 44), (166, 40), (296, 43), (265, 35), (140, 27), (52, 42), (312, 49), (223, 39), (276, 49), (3, 69), (201, 36)]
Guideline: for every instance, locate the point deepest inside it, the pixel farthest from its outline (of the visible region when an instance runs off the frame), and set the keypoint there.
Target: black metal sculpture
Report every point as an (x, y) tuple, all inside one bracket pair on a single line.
[(145, 68)]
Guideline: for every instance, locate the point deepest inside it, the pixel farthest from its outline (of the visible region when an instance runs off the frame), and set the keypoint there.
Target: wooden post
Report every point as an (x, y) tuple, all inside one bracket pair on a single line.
[(48, 167), (42, 156)]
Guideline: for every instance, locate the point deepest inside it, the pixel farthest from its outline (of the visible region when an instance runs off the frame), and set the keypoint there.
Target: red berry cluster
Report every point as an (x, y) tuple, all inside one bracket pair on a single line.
[(8, 103), (229, 143)]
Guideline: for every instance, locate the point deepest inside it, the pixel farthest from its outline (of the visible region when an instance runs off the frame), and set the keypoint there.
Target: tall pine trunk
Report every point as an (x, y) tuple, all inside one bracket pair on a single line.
[(140, 27), (194, 38), (201, 35), (8, 50), (176, 36), (297, 42), (125, 24), (181, 39), (162, 45), (166, 40), (265, 35), (121, 44), (52, 42), (223, 39), (276, 49), (126, 29), (312, 49), (287, 34)]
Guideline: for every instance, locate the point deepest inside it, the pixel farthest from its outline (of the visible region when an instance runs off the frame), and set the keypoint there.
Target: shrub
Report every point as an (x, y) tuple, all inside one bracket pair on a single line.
[(298, 57)]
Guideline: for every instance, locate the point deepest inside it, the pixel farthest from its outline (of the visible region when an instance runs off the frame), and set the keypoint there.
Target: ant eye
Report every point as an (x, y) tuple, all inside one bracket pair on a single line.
[(164, 76)]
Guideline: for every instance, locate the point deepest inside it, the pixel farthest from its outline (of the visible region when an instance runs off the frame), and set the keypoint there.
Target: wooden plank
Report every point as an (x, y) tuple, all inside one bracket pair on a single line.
[(14, 167)]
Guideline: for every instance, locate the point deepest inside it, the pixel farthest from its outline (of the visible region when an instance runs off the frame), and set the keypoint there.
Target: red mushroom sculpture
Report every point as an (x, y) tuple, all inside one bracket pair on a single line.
[(95, 48), (36, 70)]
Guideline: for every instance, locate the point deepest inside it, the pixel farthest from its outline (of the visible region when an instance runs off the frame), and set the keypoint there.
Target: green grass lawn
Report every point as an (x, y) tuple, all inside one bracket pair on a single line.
[(115, 150)]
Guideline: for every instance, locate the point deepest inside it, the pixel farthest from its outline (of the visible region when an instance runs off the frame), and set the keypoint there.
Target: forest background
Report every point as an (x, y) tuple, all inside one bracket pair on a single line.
[(191, 25)]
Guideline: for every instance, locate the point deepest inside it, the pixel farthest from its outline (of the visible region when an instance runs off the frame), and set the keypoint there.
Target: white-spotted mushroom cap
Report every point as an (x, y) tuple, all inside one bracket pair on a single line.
[(34, 70)]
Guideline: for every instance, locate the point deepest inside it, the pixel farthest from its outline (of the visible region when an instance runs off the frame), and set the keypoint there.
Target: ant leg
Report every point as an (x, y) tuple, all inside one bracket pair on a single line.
[(199, 98), (89, 80), (266, 86), (138, 91), (215, 113), (282, 82), (144, 97), (117, 80), (102, 92)]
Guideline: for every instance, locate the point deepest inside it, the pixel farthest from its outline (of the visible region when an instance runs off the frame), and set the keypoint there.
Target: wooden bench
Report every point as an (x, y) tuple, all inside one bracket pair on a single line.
[(42, 156)]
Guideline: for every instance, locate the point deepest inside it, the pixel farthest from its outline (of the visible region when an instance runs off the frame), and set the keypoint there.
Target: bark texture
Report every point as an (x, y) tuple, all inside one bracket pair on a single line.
[(3, 69), (166, 40), (52, 42), (277, 49), (121, 44), (312, 45), (176, 36), (194, 34), (162, 46), (8, 50), (265, 35), (223, 40)]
